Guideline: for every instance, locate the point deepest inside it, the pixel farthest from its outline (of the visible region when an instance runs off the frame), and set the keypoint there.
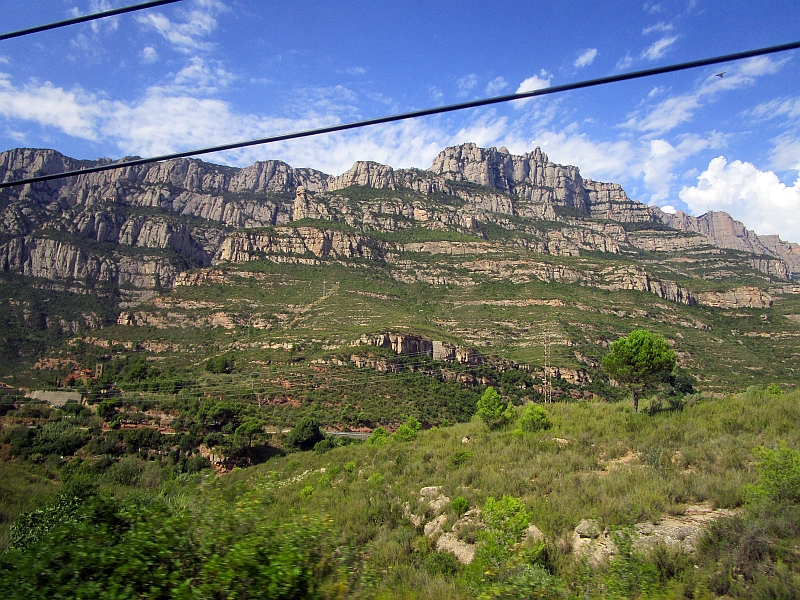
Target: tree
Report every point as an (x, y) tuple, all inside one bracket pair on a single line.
[(220, 364), (492, 410), (248, 429), (306, 434), (638, 361)]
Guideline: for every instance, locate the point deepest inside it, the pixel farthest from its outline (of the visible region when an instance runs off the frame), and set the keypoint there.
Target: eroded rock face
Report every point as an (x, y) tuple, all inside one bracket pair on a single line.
[(298, 241), (187, 213), (742, 297)]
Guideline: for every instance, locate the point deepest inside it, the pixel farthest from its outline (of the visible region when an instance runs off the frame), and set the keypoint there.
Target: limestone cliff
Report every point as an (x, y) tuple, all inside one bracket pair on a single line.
[(140, 227)]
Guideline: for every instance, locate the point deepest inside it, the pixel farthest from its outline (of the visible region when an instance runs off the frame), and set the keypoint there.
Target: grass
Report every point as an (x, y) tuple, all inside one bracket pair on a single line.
[(701, 454)]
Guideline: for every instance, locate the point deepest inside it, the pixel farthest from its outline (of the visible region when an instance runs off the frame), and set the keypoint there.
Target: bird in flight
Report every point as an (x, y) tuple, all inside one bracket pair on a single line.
[(721, 75)]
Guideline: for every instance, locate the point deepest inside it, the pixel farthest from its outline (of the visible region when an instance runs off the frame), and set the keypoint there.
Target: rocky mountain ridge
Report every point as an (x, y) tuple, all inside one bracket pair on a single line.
[(139, 227)]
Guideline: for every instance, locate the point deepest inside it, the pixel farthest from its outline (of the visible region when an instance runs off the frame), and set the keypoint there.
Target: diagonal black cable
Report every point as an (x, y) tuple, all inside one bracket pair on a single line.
[(418, 113), (85, 18)]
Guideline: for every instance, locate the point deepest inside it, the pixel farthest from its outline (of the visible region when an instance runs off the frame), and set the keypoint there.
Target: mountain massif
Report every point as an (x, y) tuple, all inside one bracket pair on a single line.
[(483, 254)]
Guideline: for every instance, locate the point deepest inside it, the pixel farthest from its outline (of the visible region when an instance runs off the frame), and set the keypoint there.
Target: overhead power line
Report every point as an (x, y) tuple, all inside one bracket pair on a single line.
[(86, 18), (417, 113)]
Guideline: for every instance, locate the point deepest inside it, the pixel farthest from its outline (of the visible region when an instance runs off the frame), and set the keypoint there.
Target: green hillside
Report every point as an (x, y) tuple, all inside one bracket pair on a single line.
[(333, 523)]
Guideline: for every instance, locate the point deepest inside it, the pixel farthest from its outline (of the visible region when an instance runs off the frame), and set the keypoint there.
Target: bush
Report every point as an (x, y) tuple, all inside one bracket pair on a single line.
[(460, 505), (774, 389), (407, 431), (778, 473), (459, 458), (379, 437), (533, 418)]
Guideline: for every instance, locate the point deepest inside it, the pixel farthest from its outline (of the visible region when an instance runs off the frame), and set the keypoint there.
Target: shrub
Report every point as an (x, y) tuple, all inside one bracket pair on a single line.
[(324, 445), (533, 418), (375, 480), (307, 492), (774, 389), (408, 430), (460, 505), (379, 437), (350, 467), (778, 473), (459, 458)]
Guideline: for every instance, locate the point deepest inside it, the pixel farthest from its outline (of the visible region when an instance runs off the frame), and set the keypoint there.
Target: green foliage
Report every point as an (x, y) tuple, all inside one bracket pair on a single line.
[(131, 550), (248, 429), (492, 410), (220, 364), (639, 360), (630, 574), (378, 437), (376, 480), (778, 473), (533, 418), (506, 520), (774, 389), (459, 458), (306, 434), (459, 505), (407, 431)]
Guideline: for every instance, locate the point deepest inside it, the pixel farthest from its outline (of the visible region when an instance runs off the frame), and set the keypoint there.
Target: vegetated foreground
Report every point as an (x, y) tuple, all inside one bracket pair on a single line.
[(563, 500)]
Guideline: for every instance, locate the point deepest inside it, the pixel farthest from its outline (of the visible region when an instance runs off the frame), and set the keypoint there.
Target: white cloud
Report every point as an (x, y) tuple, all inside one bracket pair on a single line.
[(659, 27), (17, 136), (624, 62), (466, 84), (536, 82), (149, 55), (785, 153), (75, 112), (659, 48), (486, 130), (669, 209), (673, 111), (435, 93), (356, 71), (200, 78), (653, 7), (495, 86), (198, 22), (97, 6), (783, 107), (586, 58), (755, 197), (5, 60)]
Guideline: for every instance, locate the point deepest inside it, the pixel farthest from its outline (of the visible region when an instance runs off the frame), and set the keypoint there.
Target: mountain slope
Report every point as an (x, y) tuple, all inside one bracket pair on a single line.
[(484, 250)]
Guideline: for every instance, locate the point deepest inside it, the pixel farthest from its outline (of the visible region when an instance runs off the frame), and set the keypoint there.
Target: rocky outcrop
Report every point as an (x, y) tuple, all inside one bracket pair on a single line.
[(299, 242), (742, 297), (415, 345), (365, 174), (724, 231), (55, 260)]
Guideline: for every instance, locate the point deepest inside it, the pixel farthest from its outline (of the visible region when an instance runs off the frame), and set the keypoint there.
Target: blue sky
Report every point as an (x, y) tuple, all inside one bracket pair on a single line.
[(206, 72)]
